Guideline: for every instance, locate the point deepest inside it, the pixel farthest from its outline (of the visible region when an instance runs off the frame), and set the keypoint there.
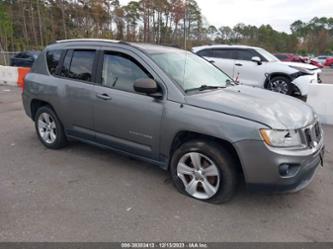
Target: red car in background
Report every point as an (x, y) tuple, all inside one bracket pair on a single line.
[(297, 58), (288, 57), (316, 63), (329, 62)]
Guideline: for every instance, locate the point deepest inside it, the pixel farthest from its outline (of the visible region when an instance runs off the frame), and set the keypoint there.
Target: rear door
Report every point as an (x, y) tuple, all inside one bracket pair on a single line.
[(247, 71), (123, 118), (76, 91), (225, 60)]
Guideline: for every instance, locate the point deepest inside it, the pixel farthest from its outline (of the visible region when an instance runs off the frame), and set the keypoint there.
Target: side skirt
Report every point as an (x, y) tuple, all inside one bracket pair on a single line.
[(161, 164)]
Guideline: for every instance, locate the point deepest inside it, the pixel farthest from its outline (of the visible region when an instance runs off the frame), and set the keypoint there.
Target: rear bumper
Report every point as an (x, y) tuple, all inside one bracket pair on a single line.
[(261, 167), (26, 104)]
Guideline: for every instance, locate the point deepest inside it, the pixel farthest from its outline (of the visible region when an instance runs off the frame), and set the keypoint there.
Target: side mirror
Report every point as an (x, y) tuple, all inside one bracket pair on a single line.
[(257, 60), (147, 86)]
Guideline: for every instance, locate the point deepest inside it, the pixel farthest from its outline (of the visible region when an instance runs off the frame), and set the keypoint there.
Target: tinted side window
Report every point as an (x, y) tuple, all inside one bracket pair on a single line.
[(78, 65), (82, 65), (224, 53), (245, 55), (53, 59), (120, 71), (206, 53)]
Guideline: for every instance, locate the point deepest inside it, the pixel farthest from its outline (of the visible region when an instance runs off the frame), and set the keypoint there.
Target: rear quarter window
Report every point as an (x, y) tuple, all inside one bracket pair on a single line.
[(53, 59), (205, 53), (224, 53)]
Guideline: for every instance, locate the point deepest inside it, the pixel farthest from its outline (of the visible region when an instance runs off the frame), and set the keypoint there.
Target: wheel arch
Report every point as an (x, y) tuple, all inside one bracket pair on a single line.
[(36, 104), (276, 74), (184, 136), (295, 89)]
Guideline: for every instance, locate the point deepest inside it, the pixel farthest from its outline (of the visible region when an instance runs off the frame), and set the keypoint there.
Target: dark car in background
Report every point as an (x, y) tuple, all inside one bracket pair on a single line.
[(24, 59)]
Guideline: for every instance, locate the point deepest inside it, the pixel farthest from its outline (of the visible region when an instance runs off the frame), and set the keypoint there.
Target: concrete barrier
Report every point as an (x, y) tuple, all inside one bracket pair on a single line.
[(8, 75), (320, 97), (13, 76)]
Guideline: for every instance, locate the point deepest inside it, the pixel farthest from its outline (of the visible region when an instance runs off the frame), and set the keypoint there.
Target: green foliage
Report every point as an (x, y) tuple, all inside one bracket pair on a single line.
[(33, 24), (6, 29)]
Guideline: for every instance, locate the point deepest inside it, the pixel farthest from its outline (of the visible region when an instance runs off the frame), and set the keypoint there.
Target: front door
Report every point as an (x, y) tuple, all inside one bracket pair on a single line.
[(249, 72), (124, 118)]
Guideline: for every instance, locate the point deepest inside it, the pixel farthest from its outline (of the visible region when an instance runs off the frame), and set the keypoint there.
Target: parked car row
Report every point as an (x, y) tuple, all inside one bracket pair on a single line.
[(326, 60), (296, 58), (255, 66), (178, 111), (329, 62)]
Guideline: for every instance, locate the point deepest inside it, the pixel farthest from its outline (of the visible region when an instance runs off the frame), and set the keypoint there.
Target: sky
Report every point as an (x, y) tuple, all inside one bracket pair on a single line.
[(278, 13)]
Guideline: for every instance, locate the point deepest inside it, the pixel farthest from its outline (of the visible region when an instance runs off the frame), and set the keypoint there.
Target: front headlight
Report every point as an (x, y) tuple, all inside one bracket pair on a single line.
[(281, 138)]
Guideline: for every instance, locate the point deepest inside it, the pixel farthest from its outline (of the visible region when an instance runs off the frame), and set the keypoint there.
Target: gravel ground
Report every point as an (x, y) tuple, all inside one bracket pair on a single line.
[(83, 193)]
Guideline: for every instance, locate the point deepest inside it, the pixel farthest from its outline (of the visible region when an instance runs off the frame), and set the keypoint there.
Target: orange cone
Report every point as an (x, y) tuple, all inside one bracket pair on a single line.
[(22, 72)]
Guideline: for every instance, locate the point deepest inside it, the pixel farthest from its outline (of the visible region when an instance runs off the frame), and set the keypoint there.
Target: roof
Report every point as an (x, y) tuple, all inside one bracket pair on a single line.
[(88, 40), (154, 49), (196, 49), (145, 47)]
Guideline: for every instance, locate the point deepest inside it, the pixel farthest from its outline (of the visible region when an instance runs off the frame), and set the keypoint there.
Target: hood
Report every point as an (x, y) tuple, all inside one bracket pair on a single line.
[(273, 109), (302, 65)]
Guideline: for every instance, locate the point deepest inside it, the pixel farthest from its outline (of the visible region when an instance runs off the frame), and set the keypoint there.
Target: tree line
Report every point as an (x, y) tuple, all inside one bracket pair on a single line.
[(32, 24)]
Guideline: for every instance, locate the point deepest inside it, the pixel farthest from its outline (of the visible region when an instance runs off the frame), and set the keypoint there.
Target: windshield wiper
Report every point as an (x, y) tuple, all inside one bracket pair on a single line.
[(203, 88)]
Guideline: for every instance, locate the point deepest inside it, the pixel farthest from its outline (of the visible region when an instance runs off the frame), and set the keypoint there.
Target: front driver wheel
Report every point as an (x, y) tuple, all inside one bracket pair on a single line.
[(279, 84), (204, 170)]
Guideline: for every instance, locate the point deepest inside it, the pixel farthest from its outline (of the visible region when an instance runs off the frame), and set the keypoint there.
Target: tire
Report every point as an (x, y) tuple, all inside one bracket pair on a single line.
[(280, 84), (223, 179), (49, 128)]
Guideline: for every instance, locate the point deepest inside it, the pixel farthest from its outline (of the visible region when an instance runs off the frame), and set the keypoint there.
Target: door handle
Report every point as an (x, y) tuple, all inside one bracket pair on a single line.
[(103, 96), (238, 64)]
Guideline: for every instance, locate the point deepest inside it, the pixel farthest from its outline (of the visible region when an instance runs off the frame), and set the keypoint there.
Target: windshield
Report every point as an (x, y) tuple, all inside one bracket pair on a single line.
[(190, 71), (267, 55)]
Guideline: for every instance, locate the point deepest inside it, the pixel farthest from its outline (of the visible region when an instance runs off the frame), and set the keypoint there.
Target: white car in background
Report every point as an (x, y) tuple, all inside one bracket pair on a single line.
[(257, 67)]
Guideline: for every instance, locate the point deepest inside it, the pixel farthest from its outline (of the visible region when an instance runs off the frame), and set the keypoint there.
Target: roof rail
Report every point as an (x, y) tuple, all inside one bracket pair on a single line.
[(88, 40)]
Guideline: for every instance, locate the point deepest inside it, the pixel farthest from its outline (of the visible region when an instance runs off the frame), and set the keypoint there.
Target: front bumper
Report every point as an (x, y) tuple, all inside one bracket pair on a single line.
[(261, 166), (302, 83)]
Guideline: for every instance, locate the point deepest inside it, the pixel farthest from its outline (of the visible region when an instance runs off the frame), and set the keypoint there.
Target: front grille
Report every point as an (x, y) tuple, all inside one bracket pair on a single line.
[(312, 135)]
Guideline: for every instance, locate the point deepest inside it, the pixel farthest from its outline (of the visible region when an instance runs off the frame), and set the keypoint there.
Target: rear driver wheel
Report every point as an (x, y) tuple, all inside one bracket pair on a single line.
[(49, 128)]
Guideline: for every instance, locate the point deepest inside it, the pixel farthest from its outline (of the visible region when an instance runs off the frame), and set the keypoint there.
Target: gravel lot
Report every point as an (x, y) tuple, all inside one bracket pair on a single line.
[(83, 193)]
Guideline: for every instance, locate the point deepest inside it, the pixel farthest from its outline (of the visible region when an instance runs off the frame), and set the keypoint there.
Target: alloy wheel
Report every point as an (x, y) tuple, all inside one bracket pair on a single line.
[(279, 86), (199, 174), (47, 128)]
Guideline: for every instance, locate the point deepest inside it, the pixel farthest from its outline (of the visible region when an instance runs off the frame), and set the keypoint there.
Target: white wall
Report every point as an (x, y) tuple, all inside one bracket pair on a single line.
[(8, 75), (320, 97)]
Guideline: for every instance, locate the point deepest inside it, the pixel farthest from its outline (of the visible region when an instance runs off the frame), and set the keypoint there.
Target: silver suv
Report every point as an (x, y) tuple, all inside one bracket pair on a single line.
[(176, 110)]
